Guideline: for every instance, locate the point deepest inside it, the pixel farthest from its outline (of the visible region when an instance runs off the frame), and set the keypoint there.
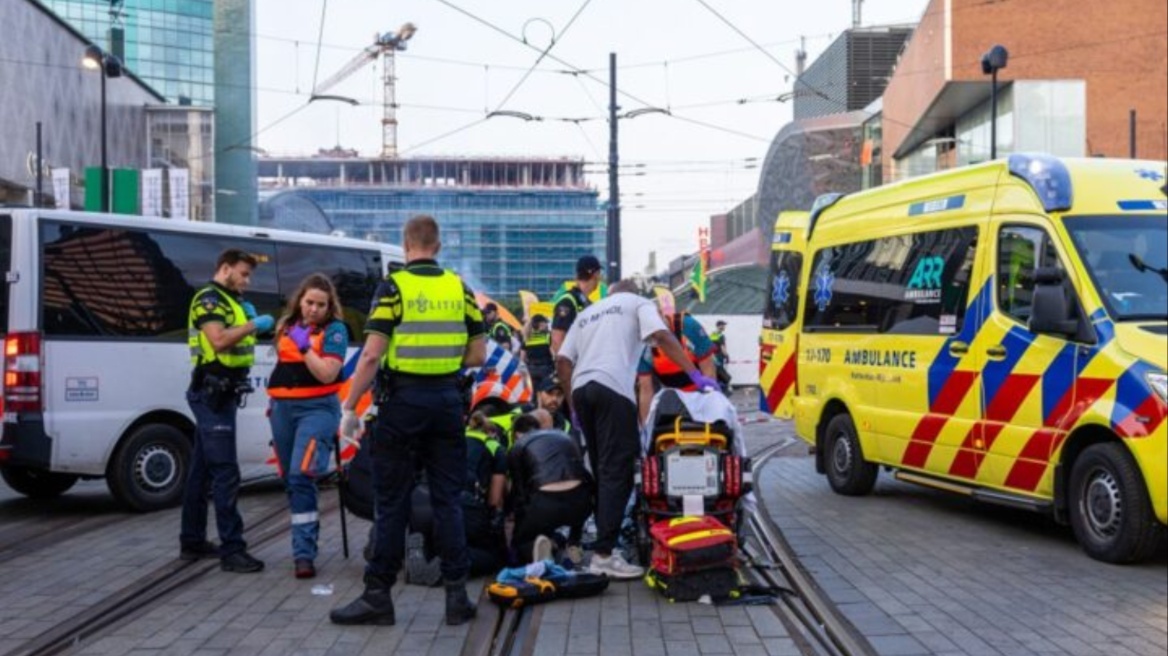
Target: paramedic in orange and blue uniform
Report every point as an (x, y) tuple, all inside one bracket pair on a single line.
[(424, 328), (655, 365), (305, 411)]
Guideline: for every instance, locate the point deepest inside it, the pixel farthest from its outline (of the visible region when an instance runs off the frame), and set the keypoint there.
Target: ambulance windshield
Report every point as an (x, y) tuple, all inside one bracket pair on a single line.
[(1127, 257)]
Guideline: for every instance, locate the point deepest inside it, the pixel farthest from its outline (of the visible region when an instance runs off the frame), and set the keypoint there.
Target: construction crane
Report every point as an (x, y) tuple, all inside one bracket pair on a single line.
[(384, 46)]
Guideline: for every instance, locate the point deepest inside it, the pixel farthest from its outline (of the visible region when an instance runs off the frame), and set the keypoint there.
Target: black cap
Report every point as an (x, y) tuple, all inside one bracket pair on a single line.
[(539, 318), (586, 266), (548, 384), (490, 307), (720, 323)]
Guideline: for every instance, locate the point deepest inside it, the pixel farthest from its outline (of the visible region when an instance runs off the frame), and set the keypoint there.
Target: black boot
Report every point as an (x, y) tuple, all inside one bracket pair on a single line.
[(375, 606), (459, 610)]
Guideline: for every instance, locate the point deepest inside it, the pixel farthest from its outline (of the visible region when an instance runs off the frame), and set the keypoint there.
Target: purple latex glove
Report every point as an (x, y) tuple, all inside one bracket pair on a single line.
[(702, 382), (301, 336)]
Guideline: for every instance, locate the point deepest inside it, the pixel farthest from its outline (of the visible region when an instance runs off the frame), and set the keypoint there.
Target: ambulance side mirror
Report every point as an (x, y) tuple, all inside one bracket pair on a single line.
[(1051, 312)]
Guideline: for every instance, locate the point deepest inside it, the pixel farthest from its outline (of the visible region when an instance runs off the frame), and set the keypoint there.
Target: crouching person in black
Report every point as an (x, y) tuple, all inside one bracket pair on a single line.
[(550, 488), (482, 500)]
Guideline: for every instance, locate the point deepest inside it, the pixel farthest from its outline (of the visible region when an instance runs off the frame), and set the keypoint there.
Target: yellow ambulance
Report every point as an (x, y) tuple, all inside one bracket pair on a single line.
[(776, 356), (999, 331)]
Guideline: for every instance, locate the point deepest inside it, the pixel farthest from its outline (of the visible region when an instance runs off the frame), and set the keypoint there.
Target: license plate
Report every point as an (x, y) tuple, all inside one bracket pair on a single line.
[(691, 474)]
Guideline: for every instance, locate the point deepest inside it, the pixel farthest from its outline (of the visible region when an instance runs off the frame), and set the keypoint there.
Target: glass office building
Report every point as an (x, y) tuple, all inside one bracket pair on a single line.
[(167, 43), (507, 223), (500, 241)]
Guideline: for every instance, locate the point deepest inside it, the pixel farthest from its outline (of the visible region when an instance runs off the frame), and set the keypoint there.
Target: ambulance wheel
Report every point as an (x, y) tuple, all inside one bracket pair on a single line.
[(1110, 511), (150, 467), (847, 471), (37, 483)]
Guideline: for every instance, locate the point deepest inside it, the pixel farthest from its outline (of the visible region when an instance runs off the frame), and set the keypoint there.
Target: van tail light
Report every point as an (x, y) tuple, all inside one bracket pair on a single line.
[(22, 372)]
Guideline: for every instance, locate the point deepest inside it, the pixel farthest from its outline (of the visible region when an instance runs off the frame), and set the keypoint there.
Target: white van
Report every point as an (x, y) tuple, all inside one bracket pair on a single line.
[(94, 322)]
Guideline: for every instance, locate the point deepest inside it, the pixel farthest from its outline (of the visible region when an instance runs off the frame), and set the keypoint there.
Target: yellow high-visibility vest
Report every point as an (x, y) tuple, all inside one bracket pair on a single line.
[(431, 338), (239, 356)]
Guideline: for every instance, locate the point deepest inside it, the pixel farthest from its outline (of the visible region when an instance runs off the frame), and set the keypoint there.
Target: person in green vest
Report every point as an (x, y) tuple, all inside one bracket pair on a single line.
[(424, 329), (497, 329), (568, 305), (221, 336), (537, 351)]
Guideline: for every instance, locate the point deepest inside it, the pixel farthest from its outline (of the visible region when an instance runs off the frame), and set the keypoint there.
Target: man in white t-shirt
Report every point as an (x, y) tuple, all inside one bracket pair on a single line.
[(597, 365)]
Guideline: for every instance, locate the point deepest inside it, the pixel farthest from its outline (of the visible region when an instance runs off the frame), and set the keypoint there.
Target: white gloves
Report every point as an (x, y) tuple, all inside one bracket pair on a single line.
[(350, 424)]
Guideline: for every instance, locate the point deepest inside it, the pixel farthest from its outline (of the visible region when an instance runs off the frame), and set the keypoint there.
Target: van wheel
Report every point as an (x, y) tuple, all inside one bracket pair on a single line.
[(37, 483), (1109, 506), (847, 471), (149, 469)]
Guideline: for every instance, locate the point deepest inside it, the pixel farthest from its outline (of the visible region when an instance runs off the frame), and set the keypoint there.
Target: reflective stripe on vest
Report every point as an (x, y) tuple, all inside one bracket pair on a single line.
[(239, 356), (539, 339), (431, 338), (292, 379)]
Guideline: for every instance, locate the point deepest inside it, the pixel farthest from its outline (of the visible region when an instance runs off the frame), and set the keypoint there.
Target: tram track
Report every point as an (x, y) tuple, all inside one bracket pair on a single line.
[(811, 619), (42, 534), (138, 597)]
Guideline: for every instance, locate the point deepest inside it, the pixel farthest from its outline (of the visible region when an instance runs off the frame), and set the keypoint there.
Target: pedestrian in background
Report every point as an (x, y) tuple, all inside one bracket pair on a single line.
[(598, 366), (221, 336), (311, 341), (425, 327), (721, 355), (575, 299)]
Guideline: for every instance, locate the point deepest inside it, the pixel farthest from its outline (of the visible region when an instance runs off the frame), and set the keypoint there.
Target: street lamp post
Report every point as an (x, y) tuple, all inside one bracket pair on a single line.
[(993, 61), (108, 66)]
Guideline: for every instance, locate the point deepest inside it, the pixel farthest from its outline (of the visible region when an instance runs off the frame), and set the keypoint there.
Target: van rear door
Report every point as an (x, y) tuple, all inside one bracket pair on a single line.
[(780, 323)]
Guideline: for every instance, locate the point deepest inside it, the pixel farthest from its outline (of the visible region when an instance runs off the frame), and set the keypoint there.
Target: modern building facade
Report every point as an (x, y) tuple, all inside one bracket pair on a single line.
[(168, 43), (818, 152), (199, 53), (1076, 73), (507, 224), (851, 73), (42, 80)]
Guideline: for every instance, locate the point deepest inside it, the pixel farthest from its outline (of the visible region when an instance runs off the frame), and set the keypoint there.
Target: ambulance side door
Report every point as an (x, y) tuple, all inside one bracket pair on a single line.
[(1028, 382)]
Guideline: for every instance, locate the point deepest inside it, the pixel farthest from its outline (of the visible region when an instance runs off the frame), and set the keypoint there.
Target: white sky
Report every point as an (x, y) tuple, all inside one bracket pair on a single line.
[(668, 56)]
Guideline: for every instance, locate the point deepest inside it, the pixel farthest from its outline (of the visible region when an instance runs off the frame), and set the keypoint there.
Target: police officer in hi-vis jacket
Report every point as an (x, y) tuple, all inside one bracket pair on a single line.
[(221, 335), (425, 327)]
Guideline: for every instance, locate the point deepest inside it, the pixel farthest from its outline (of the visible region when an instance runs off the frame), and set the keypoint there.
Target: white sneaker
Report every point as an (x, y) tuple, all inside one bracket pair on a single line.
[(541, 550), (615, 567)]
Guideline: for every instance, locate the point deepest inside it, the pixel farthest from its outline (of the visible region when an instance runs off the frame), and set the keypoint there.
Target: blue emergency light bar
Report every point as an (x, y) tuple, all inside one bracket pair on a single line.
[(1047, 176)]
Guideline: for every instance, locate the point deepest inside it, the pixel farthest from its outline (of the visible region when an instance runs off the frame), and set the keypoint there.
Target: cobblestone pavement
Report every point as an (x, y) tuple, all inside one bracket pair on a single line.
[(916, 571), (920, 571)]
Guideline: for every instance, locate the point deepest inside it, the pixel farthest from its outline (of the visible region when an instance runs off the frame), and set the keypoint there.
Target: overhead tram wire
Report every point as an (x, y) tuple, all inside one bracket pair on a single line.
[(543, 54), (319, 41), (581, 71)]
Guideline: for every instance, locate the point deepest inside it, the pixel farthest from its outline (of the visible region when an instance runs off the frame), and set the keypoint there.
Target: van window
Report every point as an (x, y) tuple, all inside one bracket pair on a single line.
[(1022, 250), (782, 304), (1127, 258), (5, 266), (355, 274), (111, 282), (914, 284)]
